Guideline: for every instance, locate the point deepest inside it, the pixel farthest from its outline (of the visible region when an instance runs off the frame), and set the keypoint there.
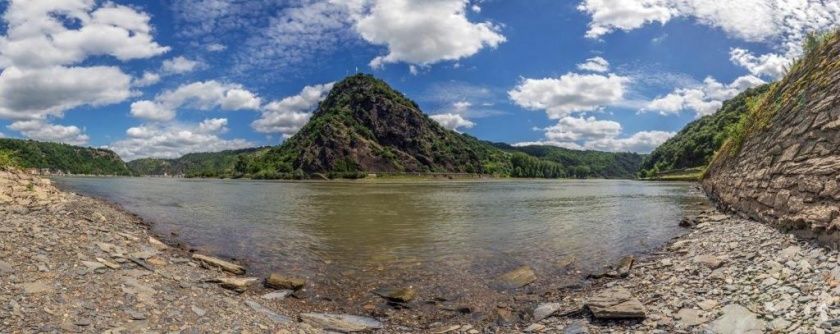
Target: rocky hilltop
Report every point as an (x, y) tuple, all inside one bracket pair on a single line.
[(365, 126), (783, 164)]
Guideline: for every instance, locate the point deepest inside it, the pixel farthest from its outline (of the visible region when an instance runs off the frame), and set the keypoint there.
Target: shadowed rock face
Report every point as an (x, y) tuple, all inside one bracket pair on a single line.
[(364, 125), (786, 170)]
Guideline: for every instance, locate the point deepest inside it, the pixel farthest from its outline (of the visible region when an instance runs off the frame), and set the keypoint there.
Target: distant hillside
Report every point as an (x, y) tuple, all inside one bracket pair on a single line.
[(213, 164), (364, 126), (585, 163), (64, 158), (695, 145)]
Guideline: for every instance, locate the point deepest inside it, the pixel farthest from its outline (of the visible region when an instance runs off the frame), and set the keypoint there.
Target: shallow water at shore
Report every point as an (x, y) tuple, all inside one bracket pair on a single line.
[(443, 237)]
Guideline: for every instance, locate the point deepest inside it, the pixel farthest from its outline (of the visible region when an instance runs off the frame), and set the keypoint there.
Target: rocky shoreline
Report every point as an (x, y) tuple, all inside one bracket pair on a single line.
[(69, 263)]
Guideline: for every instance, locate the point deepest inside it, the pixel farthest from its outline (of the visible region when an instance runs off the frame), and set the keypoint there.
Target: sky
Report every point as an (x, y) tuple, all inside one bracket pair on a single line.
[(162, 78)]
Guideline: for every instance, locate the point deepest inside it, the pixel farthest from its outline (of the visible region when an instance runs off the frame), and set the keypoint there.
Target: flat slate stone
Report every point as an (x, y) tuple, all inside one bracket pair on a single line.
[(280, 319), (737, 319), (341, 322), (517, 278), (224, 265), (545, 310), (615, 303)]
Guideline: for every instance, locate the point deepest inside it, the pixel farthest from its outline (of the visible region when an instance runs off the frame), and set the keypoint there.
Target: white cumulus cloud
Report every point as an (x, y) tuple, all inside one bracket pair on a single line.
[(425, 32), (571, 92), (589, 133), (291, 113), (39, 130), (198, 95), (174, 140), (781, 23), (595, 64), (179, 65), (641, 142), (769, 65), (46, 45), (704, 99), (452, 121)]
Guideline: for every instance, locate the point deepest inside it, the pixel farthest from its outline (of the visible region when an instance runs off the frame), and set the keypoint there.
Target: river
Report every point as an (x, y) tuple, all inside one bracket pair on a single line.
[(446, 238)]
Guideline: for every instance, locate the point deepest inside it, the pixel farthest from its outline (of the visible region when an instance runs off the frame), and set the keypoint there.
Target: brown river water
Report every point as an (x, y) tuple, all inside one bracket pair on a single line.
[(447, 239)]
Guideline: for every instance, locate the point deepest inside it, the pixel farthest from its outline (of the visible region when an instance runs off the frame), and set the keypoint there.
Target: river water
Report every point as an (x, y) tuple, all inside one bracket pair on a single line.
[(443, 237)]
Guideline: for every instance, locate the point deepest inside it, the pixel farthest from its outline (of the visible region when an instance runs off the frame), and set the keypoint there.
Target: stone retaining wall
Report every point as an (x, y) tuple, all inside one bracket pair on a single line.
[(787, 172)]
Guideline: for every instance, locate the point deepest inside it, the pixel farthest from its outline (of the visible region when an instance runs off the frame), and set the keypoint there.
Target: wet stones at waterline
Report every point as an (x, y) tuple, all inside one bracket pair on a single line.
[(283, 282), (516, 278)]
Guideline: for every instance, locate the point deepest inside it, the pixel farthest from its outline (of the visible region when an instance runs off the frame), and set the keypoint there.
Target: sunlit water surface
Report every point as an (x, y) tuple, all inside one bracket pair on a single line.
[(437, 235)]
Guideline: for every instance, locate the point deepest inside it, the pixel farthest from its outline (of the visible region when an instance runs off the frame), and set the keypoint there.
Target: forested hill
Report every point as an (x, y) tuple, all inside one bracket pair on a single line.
[(695, 145), (209, 164), (63, 158), (584, 163), (365, 126)]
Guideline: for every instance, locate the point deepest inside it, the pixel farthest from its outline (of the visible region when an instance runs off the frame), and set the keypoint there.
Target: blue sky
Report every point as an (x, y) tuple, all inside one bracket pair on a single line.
[(164, 78)]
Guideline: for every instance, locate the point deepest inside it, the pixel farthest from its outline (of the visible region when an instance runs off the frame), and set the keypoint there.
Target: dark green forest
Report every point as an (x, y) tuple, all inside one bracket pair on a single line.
[(63, 158), (695, 145)]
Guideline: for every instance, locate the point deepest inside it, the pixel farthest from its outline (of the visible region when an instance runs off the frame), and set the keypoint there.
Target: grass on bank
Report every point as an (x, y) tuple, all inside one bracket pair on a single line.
[(8, 159), (685, 174), (809, 73)]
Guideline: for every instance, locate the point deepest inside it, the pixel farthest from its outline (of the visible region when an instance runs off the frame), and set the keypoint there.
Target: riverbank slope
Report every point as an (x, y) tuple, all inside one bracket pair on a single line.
[(69, 263)]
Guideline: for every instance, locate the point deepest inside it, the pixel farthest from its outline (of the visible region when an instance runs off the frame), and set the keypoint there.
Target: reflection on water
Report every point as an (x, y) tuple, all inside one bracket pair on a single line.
[(324, 230)]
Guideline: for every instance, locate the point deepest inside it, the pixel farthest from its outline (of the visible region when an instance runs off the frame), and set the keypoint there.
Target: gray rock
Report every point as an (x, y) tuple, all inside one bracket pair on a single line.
[(277, 295), (545, 310), (737, 319), (341, 322), (136, 315), (691, 317), (239, 284), (36, 287), (281, 319), (534, 328), (6, 268), (219, 263), (710, 261), (200, 312), (517, 278), (615, 303), (790, 253), (577, 327), (707, 304), (282, 282), (779, 324), (624, 265), (399, 295)]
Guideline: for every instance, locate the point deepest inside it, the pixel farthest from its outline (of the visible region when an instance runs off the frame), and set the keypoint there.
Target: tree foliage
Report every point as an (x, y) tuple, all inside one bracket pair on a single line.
[(695, 145), (62, 157)]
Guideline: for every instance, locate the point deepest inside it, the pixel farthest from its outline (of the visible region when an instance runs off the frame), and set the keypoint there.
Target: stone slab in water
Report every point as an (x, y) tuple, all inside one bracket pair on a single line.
[(517, 278)]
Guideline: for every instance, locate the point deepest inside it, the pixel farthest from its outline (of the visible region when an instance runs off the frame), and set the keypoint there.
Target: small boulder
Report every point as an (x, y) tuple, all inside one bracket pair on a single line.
[(340, 322), (710, 261), (615, 303), (397, 295), (517, 278), (790, 253), (281, 282), (737, 319), (157, 244), (219, 263), (6, 268), (690, 317), (238, 284), (545, 310), (624, 265)]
